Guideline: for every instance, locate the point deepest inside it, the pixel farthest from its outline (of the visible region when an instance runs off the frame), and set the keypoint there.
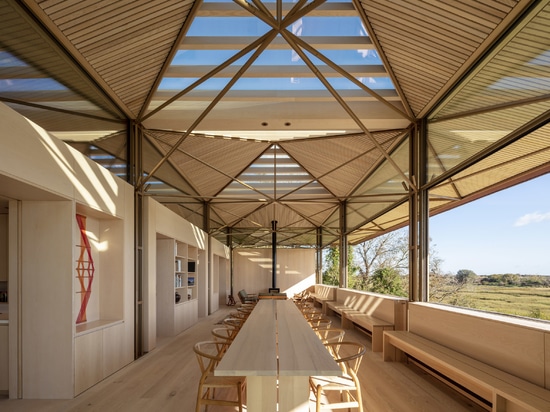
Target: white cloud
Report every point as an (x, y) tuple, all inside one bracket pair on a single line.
[(529, 218)]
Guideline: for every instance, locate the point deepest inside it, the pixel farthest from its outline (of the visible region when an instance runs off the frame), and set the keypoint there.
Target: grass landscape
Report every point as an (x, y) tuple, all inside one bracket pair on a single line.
[(532, 302)]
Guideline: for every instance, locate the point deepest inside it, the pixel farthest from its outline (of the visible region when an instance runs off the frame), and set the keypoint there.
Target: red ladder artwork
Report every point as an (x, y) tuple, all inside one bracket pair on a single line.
[(84, 269)]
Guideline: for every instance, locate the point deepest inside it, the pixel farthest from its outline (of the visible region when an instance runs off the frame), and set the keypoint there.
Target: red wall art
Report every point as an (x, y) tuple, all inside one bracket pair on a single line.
[(84, 269)]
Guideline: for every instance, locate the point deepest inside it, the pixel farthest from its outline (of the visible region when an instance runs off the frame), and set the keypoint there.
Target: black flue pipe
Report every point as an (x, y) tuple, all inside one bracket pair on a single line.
[(273, 253)]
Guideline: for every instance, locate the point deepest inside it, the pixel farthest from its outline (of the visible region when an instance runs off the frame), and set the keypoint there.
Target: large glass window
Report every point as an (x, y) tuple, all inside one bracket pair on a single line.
[(492, 254)]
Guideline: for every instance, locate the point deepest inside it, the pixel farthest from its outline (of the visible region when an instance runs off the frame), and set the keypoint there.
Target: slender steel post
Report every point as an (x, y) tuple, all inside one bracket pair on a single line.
[(274, 253), (343, 246)]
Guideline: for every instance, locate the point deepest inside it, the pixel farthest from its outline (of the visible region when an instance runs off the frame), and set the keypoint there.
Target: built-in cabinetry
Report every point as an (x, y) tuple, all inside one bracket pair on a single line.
[(98, 310), (185, 275), (55, 350), (177, 286), (76, 323)]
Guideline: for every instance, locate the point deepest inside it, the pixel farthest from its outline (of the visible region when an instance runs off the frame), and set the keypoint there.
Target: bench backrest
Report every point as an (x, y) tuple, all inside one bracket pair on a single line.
[(514, 345), (326, 291), (242, 295), (388, 308)]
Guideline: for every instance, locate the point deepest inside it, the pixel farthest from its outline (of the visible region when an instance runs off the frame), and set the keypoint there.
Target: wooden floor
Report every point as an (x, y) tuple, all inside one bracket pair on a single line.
[(166, 379)]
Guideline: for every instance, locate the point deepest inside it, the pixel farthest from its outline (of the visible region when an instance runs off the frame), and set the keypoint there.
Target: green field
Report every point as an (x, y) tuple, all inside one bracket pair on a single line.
[(533, 302)]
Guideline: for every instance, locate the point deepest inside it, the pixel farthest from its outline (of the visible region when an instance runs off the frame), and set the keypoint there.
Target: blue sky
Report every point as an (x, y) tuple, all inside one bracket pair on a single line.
[(507, 232)]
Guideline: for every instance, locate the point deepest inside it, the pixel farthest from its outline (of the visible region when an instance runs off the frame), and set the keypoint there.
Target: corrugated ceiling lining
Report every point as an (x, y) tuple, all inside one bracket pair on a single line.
[(301, 240), (317, 212), (520, 157), (153, 151), (114, 144), (230, 213), (427, 43), (339, 163), (519, 71), (117, 38), (516, 159), (194, 216), (458, 139), (218, 161), (443, 193), (286, 217), (393, 219), (210, 163), (333, 221), (389, 177), (32, 46), (61, 124), (358, 170), (323, 155)]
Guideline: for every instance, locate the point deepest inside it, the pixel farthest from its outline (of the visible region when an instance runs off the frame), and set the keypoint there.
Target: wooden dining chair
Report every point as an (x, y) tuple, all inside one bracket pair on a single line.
[(239, 315), (320, 323), (245, 309), (235, 323), (346, 388), (310, 312), (330, 335), (224, 335), (209, 354)]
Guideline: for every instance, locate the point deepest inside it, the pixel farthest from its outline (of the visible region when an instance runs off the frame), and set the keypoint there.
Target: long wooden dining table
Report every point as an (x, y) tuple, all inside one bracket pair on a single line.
[(277, 351)]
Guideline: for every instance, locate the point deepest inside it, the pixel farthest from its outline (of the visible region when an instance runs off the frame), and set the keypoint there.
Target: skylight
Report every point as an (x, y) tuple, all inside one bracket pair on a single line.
[(295, 80)]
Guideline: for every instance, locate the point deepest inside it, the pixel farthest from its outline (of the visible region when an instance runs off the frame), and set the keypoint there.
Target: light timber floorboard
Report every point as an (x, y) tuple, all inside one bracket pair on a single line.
[(165, 380)]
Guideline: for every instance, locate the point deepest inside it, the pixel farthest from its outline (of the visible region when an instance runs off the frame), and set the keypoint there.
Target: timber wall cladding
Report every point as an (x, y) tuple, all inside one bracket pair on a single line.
[(517, 346), (252, 270)]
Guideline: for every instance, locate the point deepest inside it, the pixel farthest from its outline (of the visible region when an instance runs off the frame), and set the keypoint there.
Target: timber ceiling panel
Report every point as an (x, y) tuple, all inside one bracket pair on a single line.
[(340, 162), (519, 157), (518, 72), (126, 42), (324, 117), (427, 43), (37, 71), (209, 163)]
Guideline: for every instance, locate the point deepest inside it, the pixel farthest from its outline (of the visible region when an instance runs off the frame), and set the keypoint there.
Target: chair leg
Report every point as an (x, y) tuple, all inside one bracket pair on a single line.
[(318, 404), (198, 407), (239, 397)]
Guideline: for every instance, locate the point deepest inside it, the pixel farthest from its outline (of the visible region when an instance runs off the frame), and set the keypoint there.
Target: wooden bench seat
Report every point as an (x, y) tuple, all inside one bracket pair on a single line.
[(504, 391), (338, 308), (323, 294), (373, 325), (371, 312)]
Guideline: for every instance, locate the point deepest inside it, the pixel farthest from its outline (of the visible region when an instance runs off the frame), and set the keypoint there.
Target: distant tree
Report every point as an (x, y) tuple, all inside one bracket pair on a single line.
[(390, 250), (388, 281), (444, 287), (511, 279), (331, 267), (465, 276), (507, 279)]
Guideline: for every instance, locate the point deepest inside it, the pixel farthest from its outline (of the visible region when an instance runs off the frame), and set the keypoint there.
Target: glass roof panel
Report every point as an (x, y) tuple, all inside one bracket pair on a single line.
[(275, 174), (329, 26), (334, 43), (274, 57), (226, 27)]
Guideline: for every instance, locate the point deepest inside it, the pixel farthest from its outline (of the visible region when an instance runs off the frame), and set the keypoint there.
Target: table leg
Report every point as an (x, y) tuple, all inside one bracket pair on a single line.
[(293, 393), (261, 393)]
